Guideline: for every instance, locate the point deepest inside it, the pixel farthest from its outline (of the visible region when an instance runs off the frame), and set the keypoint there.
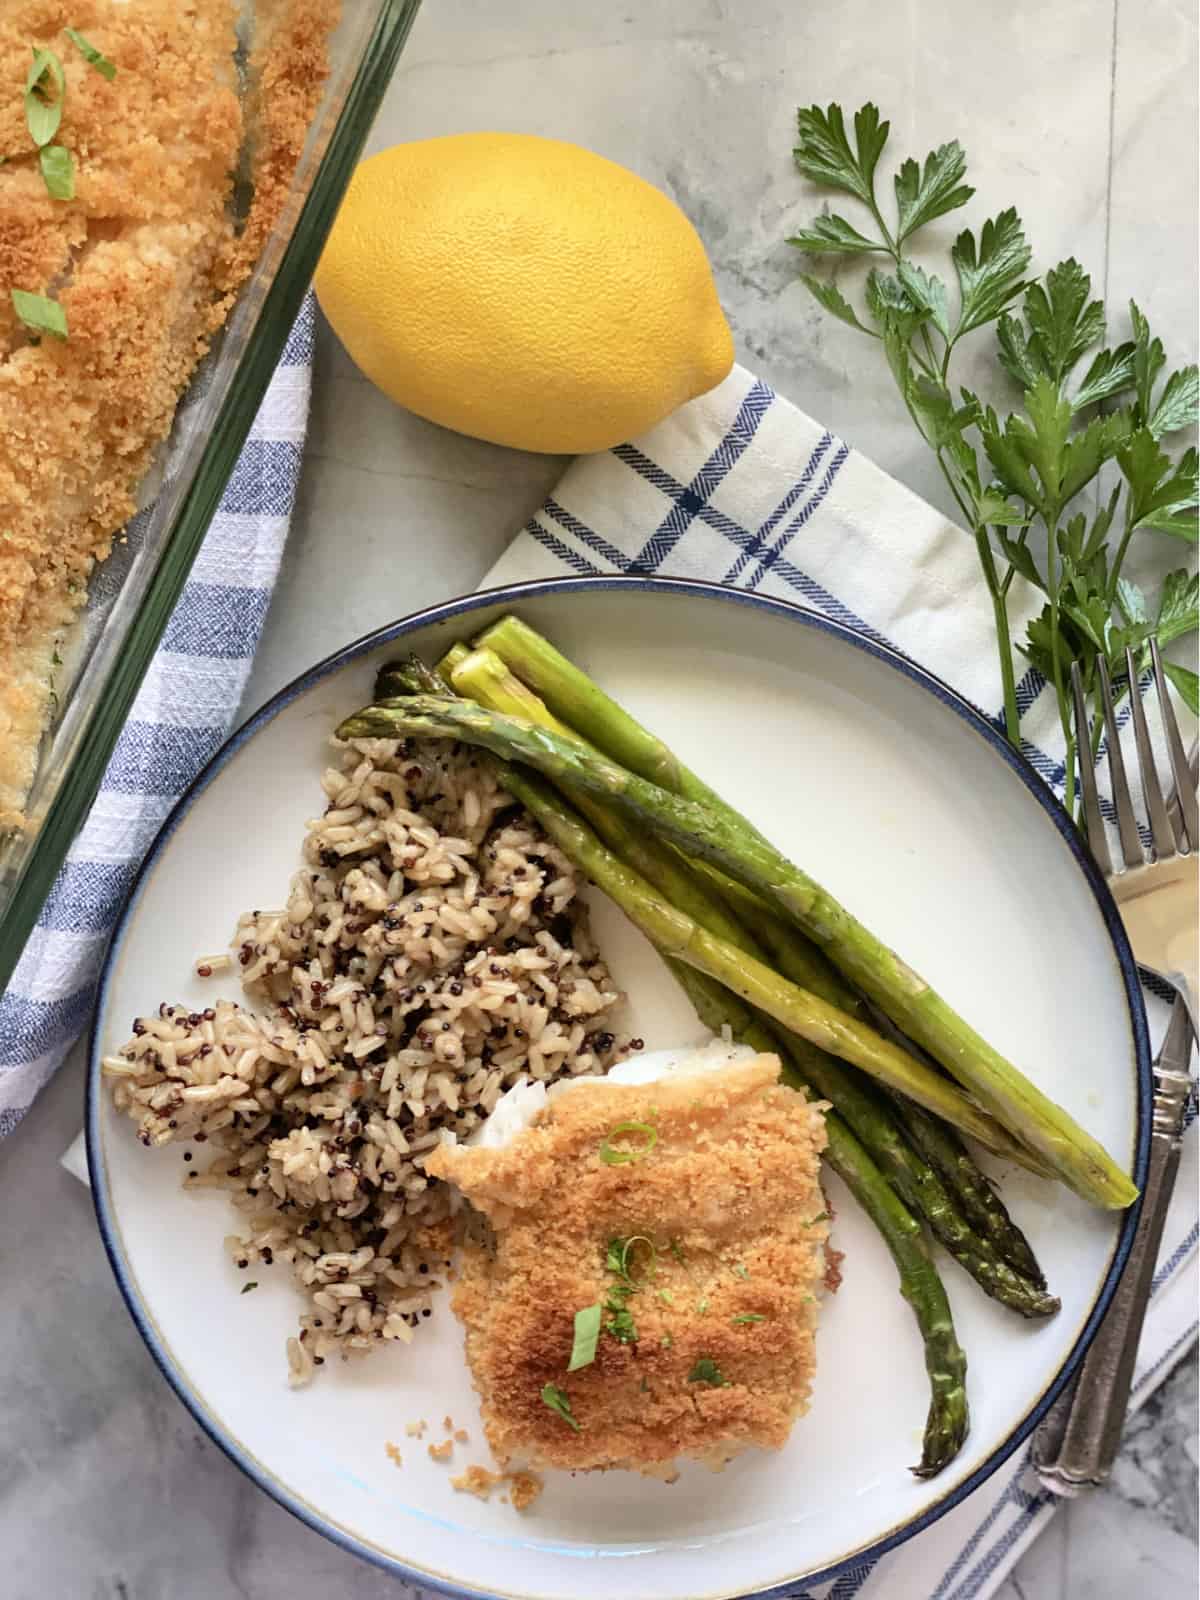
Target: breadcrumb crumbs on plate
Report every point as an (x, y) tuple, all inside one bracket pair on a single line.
[(441, 1452), (393, 1454), (448, 1424), (416, 1430), (462, 1436), (524, 1487)]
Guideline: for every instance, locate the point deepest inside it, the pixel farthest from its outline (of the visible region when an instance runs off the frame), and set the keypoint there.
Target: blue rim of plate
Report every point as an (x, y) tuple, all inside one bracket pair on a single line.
[(511, 596)]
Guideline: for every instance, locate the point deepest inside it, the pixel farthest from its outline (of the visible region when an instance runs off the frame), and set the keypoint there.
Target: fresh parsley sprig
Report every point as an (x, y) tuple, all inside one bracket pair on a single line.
[(1017, 477)]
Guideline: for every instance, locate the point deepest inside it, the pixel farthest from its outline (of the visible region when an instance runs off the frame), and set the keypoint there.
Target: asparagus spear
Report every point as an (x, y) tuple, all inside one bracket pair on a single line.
[(948, 1419), (1015, 1103), (483, 677)]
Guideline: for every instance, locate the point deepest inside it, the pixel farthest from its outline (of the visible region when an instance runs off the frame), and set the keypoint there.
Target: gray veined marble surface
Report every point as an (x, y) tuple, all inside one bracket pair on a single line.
[(1083, 113)]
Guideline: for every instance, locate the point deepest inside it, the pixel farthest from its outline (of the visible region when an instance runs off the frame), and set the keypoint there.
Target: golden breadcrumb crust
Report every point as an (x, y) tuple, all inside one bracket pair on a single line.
[(731, 1198), (145, 264)]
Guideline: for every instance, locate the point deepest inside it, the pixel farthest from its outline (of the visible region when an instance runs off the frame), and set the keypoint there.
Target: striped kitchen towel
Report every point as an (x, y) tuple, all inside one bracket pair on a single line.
[(183, 711), (741, 487)]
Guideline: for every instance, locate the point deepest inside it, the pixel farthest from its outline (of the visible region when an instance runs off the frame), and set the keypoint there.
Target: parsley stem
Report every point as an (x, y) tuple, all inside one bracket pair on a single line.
[(1060, 693), (998, 593)]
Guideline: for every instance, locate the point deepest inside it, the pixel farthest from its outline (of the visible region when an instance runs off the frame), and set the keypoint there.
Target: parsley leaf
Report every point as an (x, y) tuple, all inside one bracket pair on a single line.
[(927, 293), (707, 1371), (825, 154), (831, 297), (1186, 682), (749, 1316), (1162, 494), (991, 273), (1110, 373), (1178, 606), (558, 1401), (1177, 405), (835, 235), (246, 1287), (923, 194), (1063, 322), (1148, 361)]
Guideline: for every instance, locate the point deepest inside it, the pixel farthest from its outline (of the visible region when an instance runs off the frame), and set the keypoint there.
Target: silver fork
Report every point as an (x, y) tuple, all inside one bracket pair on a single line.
[(1157, 893), (1076, 1444)]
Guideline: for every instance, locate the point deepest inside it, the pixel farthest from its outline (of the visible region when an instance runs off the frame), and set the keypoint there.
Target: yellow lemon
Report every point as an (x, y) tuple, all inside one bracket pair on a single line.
[(522, 290)]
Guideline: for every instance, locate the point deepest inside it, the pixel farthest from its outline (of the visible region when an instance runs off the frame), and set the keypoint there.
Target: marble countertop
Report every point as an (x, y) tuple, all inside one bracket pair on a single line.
[(1083, 113)]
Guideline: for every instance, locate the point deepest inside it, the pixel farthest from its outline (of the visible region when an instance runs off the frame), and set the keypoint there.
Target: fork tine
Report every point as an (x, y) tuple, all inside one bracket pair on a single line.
[(1185, 786), (1156, 806), (1131, 843), (1097, 835), (1174, 810)]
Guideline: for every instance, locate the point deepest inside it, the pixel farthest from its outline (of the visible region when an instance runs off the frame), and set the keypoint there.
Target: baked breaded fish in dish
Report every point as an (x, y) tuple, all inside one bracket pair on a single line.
[(643, 1262)]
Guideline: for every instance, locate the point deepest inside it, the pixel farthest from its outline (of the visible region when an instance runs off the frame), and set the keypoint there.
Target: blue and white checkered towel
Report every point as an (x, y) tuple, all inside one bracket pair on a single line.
[(183, 711), (741, 487)]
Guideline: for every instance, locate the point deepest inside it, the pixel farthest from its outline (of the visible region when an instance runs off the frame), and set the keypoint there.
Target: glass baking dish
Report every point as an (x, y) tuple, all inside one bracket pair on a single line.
[(131, 594)]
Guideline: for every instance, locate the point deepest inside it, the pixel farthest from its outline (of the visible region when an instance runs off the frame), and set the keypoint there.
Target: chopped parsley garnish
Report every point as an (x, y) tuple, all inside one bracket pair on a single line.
[(58, 171), (246, 1287), (677, 1252), (619, 1259), (707, 1371), (558, 1401), (45, 91), (821, 1216), (39, 313), (666, 1341), (587, 1336), (621, 1324), (667, 1298), (93, 57), (612, 1156), (702, 1308), (750, 1316), (740, 1271)]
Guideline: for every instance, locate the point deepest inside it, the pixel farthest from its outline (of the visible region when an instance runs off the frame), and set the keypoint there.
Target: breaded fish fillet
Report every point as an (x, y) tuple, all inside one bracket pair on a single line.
[(705, 1256), (144, 262)]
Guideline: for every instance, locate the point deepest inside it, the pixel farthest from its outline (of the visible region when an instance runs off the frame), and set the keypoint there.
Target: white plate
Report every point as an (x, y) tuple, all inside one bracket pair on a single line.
[(910, 808)]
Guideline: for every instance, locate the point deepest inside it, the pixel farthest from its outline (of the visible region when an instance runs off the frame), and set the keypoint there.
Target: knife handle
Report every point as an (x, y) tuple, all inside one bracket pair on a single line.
[(1076, 1443)]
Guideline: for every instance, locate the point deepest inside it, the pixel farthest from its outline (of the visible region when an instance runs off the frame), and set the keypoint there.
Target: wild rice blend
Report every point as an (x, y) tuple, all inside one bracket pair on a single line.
[(432, 949)]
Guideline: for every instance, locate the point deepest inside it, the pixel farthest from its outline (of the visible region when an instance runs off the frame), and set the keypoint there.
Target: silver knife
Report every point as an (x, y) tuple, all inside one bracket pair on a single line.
[(1077, 1441)]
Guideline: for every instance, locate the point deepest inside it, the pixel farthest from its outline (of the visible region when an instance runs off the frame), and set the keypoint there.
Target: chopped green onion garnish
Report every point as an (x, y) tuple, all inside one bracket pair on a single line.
[(45, 90), (702, 1308), (667, 1298), (587, 1335), (707, 1371), (58, 171), (253, 1284), (677, 1252), (822, 1216), (740, 1271), (557, 1400), (628, 1248), (750, 1316), (39, 313), (94, 58), (666, 1341), (613, 1157)]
